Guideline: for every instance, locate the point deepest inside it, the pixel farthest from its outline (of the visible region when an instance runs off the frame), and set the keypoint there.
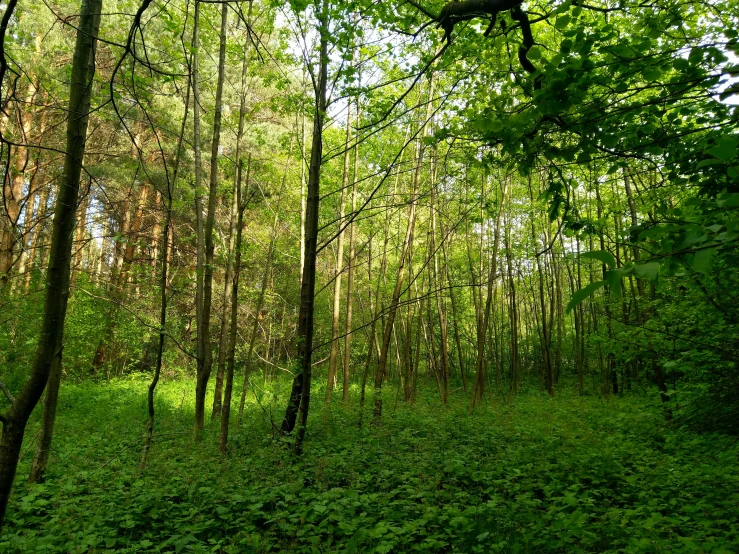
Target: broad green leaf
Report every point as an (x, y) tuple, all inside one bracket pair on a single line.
[(602, 256), (726, 149), (583, 293), (648, 270), (702, 260), (562, 21), (613, 278), (681, 64), (609, 141)]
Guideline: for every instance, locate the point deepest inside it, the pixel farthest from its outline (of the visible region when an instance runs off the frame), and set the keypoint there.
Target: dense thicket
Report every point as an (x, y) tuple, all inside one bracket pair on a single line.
[(478, 198)]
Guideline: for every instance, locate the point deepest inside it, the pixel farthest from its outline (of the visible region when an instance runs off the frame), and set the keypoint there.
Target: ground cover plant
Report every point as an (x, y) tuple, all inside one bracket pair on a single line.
[(541, 475), (359, 276)]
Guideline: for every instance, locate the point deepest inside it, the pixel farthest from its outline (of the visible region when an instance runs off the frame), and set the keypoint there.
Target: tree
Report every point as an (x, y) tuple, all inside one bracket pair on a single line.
[(58, 274)]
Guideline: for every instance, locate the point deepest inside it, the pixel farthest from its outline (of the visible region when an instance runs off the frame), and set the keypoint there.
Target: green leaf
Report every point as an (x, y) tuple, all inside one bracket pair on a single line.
[(648, 270), (562, 21), (726, 149), (613, 278), (651, 73), (583, 293), (609, 141), (534, 53), (728, 200), (702, 260), (681, 64), (602, 256)]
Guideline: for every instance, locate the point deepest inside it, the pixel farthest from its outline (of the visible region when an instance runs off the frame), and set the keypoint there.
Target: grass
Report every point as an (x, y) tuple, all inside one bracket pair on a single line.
[(563, 475)]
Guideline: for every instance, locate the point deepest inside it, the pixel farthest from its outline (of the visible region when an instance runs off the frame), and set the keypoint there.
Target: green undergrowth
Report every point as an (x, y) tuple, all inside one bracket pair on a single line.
[(564, 475)]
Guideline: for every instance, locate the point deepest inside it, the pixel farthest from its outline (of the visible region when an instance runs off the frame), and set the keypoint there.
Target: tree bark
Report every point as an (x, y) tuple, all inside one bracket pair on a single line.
[(166, 237), (478, 386), (13, 189), (205, 359), (339, 267), (262, 292), (299, 403), (58, 273), (350, 274), (240, 207), (403, 260)]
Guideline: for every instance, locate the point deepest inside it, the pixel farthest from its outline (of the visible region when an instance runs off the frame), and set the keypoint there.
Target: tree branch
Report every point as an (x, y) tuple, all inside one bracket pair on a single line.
[(4, 388), (3, 29)]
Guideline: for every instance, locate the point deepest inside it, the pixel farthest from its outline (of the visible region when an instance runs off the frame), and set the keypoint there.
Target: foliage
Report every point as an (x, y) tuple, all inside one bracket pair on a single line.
[(562, 475)]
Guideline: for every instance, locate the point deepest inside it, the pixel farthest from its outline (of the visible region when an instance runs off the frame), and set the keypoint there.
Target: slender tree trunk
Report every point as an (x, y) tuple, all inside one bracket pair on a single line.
[(205, 363), (302, 190), (546, 341), (350, 274), (166, 238), (162, 313), (240, 206), (58, 273), (198, 170), (372, 334), (436, 285), (299, 403), (339, 268), (611, 358), (40, 223), (223, 348), (79, 235), (455, 315), (513, 312), (479, 385), (262, 291), (13, 189), (224, 338), (30, 219)]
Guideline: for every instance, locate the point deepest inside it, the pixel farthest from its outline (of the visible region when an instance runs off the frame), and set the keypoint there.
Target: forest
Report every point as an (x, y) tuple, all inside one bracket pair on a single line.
[(349, 276)]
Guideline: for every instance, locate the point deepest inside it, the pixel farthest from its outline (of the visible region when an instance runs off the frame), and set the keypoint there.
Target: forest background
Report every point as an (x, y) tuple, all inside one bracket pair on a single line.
[(479, 217)]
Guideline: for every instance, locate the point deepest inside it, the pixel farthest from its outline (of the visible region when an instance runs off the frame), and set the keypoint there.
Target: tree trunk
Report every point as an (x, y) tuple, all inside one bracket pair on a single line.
[(240, 207), (455, 316), (57, 278), (43, 198), (373, 326), (205, 357), (436, 286), (165, 255), (479, 385), (299, 403), (350, 275), (546, 332), (262, 291), (611, 358), (513, 312), (120, 279), (339, 268), (13, 190)]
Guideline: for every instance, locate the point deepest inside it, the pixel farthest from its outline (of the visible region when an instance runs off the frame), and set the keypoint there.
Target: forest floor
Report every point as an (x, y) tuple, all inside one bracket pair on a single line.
[(564, 475)]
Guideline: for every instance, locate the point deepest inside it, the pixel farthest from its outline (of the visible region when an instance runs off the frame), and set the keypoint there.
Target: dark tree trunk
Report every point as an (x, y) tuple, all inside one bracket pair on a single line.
[(231, 355), (299, 402), (57, 276), (205, 359)]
